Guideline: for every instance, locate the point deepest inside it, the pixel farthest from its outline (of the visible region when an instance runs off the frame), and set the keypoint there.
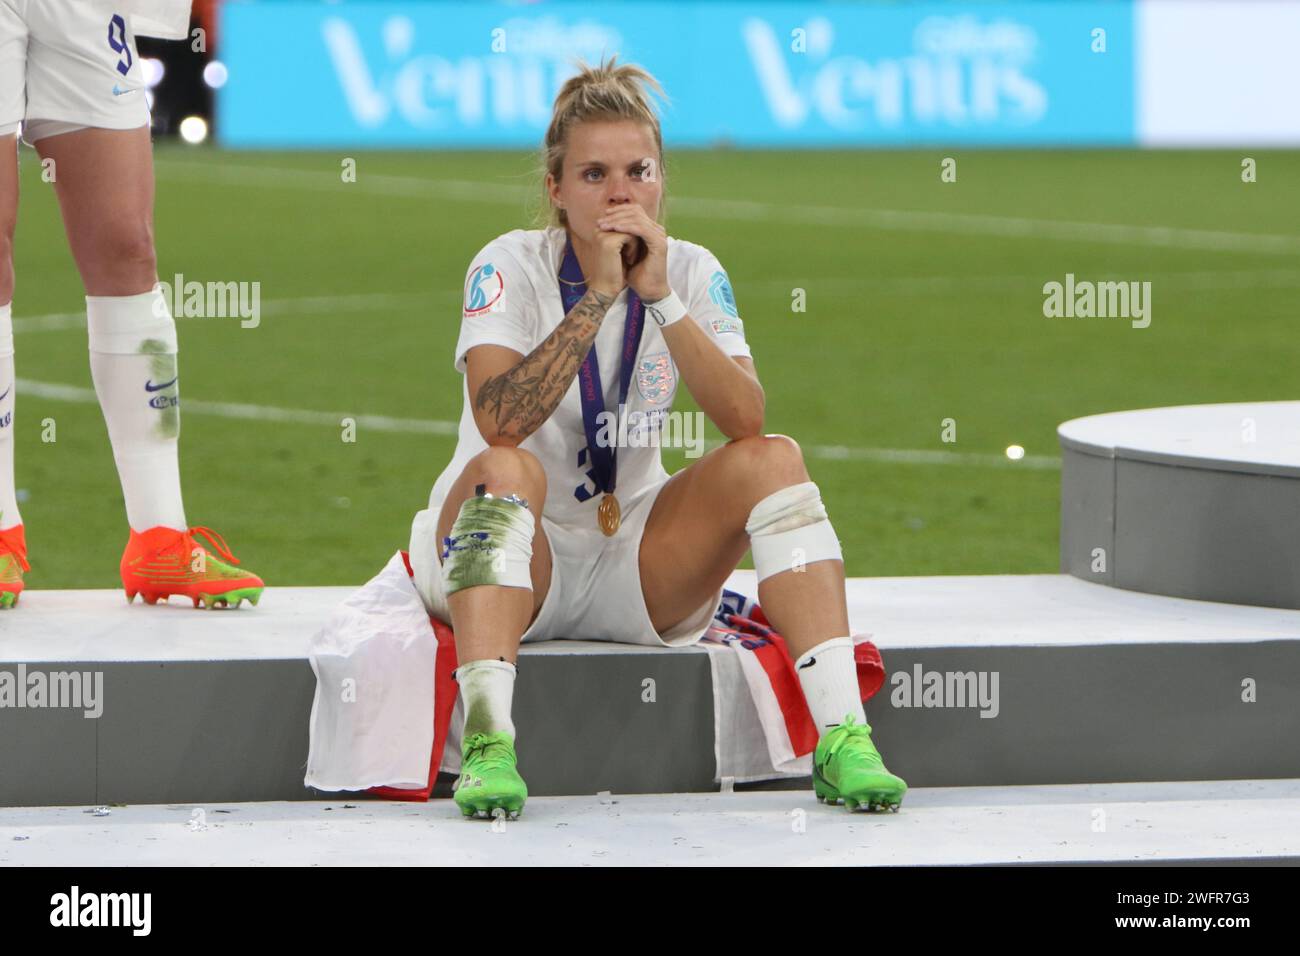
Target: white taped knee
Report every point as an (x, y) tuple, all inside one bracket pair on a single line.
[(130, 324), (491, 542), (789, 529)]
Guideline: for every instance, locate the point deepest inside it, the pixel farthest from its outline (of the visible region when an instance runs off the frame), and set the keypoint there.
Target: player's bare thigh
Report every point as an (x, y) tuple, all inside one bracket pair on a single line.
[(505, 471), (104, 181), (8, 213), (695, 535)]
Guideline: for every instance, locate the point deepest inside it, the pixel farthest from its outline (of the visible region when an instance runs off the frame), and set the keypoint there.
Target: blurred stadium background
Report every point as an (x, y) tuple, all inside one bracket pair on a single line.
[(805, 147)]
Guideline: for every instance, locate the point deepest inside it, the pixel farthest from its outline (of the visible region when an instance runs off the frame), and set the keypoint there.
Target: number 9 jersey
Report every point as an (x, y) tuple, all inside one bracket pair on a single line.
[(74, 62)]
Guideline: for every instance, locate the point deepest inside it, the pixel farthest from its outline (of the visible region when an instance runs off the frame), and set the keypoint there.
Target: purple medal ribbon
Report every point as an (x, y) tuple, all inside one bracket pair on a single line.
[(604, 462)]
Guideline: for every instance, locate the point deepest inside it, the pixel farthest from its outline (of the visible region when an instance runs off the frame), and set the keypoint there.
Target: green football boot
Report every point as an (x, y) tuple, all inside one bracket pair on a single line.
[(846, 765), (488, 779)]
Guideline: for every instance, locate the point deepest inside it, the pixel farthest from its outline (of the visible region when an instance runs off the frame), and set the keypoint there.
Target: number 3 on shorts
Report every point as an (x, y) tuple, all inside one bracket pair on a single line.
[(117, 40)]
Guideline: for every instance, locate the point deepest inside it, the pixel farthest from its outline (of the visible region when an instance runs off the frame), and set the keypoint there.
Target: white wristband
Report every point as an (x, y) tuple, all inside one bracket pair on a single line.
[(667, 310)]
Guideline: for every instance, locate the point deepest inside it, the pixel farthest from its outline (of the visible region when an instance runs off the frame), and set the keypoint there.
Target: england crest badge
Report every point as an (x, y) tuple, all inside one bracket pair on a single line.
[(656, 377)]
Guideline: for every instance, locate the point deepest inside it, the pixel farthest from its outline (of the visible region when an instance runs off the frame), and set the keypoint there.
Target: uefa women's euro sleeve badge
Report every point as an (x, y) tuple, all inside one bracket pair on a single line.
[(714, 307), (485, 291), (498, 307), (721, 295)]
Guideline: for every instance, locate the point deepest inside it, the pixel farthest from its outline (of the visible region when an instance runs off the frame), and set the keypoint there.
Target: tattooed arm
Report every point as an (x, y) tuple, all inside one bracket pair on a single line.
[(512, 394)]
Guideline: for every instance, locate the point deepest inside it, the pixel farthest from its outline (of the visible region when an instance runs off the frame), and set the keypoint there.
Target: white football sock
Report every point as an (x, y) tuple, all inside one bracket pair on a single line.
[(133, 365), (9, 515), (829, 677), (487, 689)]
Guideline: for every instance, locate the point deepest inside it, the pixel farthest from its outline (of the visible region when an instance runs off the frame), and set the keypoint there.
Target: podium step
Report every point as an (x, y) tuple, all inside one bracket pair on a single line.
[(1192, 501), (1081, 684), (1247, 822)]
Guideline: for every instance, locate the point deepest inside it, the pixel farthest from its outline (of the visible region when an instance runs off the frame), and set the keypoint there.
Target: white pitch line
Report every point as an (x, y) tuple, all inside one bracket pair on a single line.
[(1187, 281), (304, 305), (1005, 227), (262, 413), (909, 456), (1199, 280), (53, 322), (900, 220), (386, 423), (408, 187), (915, 456)]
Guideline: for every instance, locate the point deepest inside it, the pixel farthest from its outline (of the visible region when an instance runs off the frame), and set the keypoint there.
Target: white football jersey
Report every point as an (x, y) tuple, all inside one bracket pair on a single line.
[(166, 19), (512, 298)]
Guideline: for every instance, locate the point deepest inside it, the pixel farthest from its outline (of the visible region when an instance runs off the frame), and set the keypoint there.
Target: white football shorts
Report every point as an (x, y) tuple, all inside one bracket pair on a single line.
[(66, 65), (595, 592)]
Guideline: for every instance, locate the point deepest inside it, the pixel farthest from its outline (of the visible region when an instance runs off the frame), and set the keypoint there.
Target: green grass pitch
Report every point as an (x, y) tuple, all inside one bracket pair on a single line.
[(930, 312)]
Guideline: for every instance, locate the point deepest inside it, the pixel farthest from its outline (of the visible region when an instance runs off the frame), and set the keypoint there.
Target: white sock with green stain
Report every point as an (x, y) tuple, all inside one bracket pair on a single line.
[(133, 365), (9, 515), (829, 677), (487, 689)]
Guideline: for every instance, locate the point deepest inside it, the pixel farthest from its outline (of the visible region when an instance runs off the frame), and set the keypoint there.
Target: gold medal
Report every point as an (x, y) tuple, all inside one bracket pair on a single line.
[(607, 515)]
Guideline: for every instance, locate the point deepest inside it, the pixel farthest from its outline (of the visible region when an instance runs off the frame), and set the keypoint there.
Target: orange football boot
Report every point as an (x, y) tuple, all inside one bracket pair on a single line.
[(163, 561), (13, 562)]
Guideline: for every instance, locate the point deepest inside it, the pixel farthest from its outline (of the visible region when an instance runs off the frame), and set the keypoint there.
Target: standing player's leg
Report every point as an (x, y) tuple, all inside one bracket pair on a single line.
[(496, 571), (13, 548), (105, 186), (13, 102), (104, 182), (755, 493), (8, 212)]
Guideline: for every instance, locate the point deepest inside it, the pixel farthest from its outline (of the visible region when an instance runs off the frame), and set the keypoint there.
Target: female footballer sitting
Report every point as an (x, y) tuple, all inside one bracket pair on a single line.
[(539, 529)]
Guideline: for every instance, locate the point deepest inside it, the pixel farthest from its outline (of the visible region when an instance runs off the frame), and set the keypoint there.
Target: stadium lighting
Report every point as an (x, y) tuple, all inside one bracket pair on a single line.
[(215, 74), (194, 129), (1015, 452), (153, 71)]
